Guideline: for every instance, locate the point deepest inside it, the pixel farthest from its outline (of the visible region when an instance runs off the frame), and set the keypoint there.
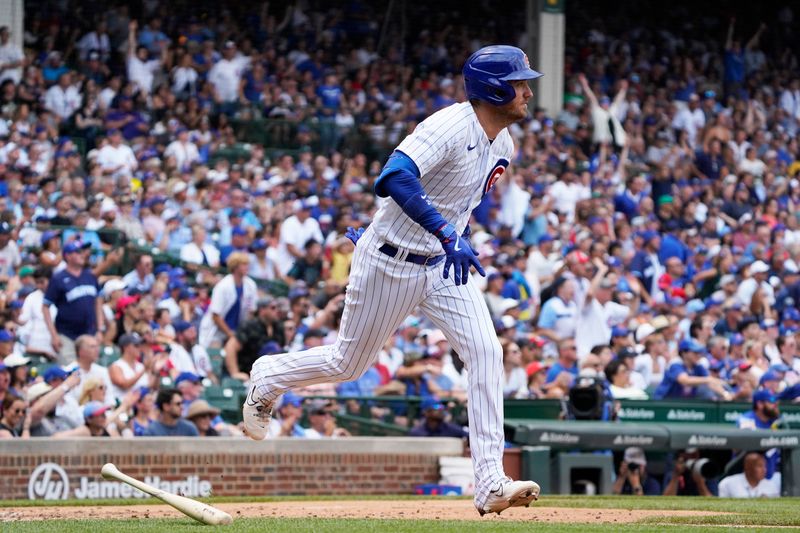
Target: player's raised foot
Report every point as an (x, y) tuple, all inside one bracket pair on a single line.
[(256, 413), (510, 494)]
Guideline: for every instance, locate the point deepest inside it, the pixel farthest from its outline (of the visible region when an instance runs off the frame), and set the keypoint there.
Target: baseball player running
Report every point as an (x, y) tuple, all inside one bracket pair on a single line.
[(416, 254)]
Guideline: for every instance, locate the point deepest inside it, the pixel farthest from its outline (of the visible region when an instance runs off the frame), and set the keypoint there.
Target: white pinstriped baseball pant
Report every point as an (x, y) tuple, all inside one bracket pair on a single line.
[(382, 292)]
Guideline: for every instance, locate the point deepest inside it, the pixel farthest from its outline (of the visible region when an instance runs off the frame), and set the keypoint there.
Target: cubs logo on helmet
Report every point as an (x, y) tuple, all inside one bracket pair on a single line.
[(494, 175)]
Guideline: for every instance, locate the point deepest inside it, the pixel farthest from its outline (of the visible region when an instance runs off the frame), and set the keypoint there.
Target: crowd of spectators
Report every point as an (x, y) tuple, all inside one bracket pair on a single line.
[(645, 235)]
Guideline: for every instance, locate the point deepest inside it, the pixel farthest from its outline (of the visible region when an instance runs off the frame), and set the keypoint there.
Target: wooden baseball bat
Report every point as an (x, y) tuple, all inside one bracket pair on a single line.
[(199, 511)]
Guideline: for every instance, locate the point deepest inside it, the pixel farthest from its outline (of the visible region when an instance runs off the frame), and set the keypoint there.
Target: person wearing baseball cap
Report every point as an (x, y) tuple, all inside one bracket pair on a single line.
[(537, 386), (75, 293), (127, 372), (434, 423), (186, 355), (759, 273), (689, 378), (633, 477)]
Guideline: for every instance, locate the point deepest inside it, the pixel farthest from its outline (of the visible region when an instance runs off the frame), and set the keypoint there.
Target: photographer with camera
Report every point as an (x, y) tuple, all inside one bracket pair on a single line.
[(689, 475), (633, 477)]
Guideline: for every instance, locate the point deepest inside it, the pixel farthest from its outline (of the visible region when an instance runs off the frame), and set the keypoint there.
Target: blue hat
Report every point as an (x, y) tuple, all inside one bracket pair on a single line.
[(546, 238), (3, 367), (290, 398), (16, 304), (93, 409), (162, 268), (493, 276), (619, 331), (6, 336), (769, 376), (187, 376), (175, 284), (648, 235), (177, 272), (186, 293), (181, 325), (712, 302), (791, 313), (270, 348), (47, 235), (695, 306), (431, 403), (297, 292), (737, 339), (691, 345), (764, 396), (154, 201), (259, 244), (239, 230), (53, 373), (76, 246), (143, 391)]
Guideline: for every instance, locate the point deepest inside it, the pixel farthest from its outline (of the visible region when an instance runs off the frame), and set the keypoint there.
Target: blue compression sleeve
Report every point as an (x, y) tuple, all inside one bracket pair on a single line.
[(400, 181)]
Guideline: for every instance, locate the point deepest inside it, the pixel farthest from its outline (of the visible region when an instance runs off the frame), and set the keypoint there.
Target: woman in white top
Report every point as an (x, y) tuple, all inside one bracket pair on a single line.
[(127, 372), (516, 379)]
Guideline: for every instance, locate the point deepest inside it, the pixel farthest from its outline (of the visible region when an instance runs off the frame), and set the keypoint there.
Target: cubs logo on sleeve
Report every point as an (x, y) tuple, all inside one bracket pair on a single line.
[(497, 171)]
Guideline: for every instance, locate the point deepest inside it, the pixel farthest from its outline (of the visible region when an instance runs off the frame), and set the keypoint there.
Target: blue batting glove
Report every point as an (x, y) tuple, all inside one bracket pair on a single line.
[(354, 234), (459, 254)]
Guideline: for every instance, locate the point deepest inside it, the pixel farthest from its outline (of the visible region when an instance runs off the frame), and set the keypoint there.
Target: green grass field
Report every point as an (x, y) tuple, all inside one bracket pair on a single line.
[(750, 515)]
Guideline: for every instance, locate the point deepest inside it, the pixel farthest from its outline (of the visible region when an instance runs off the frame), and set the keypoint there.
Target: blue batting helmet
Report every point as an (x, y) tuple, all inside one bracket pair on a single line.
[(488, 71)]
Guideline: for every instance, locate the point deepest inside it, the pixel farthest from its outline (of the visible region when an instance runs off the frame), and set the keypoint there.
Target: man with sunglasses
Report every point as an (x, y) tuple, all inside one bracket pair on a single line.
[(170, 421)]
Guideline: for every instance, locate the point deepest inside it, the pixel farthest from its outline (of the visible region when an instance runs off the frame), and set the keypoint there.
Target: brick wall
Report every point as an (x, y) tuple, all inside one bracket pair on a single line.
[(229, 467)]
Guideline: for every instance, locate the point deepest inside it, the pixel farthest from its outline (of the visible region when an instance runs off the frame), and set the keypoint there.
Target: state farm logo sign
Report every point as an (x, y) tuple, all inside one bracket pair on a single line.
[(48, 482)]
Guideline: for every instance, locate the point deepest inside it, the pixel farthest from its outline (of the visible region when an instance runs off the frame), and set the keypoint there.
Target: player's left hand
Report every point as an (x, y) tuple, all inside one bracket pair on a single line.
[(460, 256), (354, 234)]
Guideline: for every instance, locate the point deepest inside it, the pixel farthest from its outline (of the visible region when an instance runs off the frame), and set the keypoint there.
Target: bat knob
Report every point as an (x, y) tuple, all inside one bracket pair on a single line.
[(108, 471)]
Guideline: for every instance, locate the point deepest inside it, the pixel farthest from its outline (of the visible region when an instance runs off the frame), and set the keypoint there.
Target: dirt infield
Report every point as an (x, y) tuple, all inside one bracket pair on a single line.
[(434, 509)]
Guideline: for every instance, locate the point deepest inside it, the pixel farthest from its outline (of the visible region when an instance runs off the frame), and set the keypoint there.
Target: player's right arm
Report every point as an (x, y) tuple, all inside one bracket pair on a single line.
[(400, 181)]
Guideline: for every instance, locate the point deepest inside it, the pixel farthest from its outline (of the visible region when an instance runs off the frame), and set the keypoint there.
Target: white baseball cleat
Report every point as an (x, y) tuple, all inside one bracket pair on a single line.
[(510, 494), (256, 414)]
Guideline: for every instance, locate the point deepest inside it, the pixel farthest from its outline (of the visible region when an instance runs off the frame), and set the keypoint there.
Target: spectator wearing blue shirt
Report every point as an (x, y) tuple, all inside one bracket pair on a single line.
[(170, 423), (239, 243), (646, 265), (75, 293), (567, 360), (686, 377)]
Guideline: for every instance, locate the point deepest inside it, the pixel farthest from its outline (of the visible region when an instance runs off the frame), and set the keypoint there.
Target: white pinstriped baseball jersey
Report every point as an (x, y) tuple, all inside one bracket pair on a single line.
[(457, 166)]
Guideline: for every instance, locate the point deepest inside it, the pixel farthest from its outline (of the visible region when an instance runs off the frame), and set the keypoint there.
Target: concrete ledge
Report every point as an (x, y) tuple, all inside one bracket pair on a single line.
[(159, 446)]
